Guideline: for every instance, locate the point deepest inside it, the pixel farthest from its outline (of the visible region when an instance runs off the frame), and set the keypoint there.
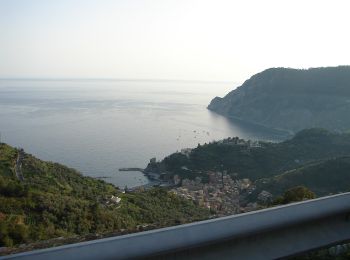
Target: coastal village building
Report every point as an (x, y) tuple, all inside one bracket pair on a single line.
[(222, 194)]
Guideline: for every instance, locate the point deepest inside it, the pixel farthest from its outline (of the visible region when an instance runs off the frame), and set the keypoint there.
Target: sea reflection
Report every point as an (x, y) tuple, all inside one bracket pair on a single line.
[(98, 127)]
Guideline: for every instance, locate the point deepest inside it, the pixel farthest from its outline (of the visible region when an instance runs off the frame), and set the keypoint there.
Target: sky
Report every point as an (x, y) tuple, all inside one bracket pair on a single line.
[(214, 40)]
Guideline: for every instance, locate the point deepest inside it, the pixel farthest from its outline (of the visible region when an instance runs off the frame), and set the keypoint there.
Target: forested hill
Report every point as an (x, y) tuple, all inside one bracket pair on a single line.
[(41, 200), (291, 99), (323, 178), (256, 160)]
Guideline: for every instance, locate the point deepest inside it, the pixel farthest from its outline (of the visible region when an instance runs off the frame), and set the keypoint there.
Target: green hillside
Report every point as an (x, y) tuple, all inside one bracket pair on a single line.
[(47, 200), (245, 159), (291, 99), (56, 201), (323, 178)]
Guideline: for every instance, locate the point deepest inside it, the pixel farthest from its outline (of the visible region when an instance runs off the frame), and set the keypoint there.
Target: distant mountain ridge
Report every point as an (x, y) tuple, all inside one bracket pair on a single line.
[(291, 99)]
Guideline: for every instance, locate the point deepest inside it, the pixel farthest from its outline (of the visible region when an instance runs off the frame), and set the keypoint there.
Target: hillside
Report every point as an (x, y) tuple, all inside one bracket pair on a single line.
[(43, 200), (291, 99), (245, 159), (51, 200), (323, 178), (315, 159)]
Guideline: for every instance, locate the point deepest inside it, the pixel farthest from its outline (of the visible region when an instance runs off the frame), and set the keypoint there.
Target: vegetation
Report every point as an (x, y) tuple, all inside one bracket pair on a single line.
[(298, 193), (291, 99), (323, 178), (56, 201), (244, 160), (314, 158)]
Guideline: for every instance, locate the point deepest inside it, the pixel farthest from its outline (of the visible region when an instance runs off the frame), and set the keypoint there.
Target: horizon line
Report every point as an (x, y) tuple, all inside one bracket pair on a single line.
[(116, 79)]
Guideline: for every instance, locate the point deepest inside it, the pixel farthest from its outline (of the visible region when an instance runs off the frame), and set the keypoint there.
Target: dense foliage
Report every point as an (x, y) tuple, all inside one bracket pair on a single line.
[(291, 99), (56, 201), (259, 161), (314, 158), (324, 178), (298, 193)]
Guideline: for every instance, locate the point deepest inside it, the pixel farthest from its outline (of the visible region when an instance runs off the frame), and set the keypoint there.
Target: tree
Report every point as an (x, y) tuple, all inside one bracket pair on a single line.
[(298, 193)]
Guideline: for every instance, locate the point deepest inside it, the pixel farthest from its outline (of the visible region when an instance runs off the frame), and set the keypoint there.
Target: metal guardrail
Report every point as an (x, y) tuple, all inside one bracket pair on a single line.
[(265, 234)]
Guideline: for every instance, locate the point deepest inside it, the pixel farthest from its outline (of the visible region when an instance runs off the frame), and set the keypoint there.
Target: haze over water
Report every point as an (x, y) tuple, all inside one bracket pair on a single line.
[(99, 126)]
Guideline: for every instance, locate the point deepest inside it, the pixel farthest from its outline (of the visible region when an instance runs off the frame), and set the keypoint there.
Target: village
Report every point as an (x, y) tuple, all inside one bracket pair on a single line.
[(222, 194)]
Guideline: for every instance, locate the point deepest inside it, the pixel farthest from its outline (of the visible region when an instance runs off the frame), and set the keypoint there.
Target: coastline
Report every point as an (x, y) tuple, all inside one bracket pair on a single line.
[(281, 131), (154, 179)]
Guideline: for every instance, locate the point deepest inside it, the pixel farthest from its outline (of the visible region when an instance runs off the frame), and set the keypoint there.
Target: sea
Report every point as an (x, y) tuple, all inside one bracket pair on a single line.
[(98, 126)]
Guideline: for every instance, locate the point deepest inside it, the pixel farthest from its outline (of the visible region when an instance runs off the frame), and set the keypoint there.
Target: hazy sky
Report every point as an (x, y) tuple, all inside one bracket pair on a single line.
[(170, 39)]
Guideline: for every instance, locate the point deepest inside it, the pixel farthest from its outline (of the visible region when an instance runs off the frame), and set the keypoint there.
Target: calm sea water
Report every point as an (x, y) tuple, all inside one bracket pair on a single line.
[(99, 126)]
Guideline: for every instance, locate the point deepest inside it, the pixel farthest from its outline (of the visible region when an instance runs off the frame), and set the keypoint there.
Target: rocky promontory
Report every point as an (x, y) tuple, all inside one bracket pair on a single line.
[(291, 99)]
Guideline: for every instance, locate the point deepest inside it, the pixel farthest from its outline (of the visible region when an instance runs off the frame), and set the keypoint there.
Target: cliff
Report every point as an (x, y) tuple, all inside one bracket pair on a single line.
[(291, 99)]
